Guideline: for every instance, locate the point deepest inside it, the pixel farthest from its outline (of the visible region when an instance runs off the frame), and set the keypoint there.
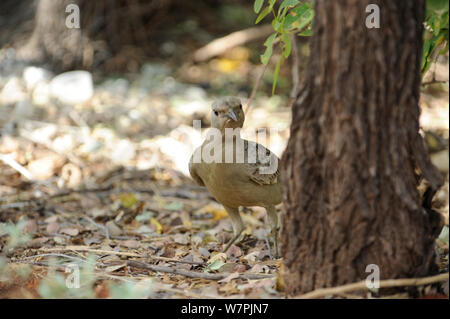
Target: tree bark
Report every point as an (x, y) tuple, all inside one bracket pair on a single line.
[(52, 41), (355, 157), (111, 33)]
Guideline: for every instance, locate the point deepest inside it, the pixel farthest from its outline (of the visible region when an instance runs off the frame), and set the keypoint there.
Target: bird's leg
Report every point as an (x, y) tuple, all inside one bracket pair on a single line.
[(236, 223), (273, 218)]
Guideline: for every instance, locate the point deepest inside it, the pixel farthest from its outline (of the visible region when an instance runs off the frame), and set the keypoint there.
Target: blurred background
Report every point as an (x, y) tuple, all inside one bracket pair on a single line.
[(97, 121)]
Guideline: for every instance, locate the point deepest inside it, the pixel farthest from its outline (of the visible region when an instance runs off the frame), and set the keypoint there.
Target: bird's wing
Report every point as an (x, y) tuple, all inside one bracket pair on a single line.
[(261, 164), (193, 171)]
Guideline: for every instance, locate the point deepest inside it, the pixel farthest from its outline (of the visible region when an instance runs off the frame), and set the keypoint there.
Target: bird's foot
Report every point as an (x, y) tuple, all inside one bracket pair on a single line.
[(231, 242), (268, 247), (275, 241), (249, 240)]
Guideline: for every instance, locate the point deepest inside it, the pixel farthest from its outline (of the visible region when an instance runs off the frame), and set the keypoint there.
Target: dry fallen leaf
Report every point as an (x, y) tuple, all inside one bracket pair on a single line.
[(218, 256), (113, 229), (230, 277), (115, 267), (70, 231), (234, 251), (217, 210), (182, 239), (131, 243), (31, 226), (158, 226), (52, 228)]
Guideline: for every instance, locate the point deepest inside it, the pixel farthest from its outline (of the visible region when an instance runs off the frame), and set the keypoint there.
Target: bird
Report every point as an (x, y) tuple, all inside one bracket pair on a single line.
[(249, 180)]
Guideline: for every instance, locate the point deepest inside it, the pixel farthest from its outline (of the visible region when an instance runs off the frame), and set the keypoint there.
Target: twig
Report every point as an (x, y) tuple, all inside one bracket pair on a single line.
[(162, 287), (434, 81), (84, 190), (255, 88), (15, 205), (234, 39), (193, 274), (118, 253), (52, 255), (41, 264), (383, 284), (8, 160)]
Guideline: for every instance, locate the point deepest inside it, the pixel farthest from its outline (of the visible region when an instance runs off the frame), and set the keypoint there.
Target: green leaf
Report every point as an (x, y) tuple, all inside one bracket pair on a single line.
[(288, 3), (268, 53), (275, 75), (306, 18), (299, 11), (299, 17), (425, 54), (174, 206), (216, 265), (258, 5), (270, 39), (289, 20), (277, 26), (287, 45), (128, 200), (266, 56), (437, 5), (263, 14), (444, 234), (307, 33)]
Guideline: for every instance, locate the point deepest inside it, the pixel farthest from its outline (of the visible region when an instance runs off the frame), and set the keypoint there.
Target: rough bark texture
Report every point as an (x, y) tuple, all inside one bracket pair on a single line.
[(52, 41), (355, 156), (111, 32)]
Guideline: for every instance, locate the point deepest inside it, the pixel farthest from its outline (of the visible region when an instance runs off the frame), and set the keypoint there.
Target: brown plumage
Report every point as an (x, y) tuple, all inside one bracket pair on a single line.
[(239, 182)]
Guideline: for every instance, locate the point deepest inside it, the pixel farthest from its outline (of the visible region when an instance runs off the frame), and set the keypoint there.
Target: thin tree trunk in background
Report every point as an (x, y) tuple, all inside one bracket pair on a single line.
[(54, 42), (355, 157)]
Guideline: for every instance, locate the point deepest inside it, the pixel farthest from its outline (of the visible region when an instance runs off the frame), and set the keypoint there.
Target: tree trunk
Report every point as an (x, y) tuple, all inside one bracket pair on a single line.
[(112, 33), (52, 41), (355, 157)]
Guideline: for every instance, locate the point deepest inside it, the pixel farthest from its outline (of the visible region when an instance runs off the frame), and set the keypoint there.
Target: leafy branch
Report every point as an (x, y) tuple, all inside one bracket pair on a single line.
[(436, 32), (296, 17), (291, 17)]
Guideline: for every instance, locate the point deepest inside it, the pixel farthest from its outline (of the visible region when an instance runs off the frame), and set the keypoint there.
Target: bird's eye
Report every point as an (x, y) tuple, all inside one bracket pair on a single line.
[(216, 113), (240, 106)]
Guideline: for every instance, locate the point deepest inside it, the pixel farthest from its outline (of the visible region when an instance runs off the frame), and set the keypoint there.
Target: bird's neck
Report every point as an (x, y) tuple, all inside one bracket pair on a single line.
[(231, 134)]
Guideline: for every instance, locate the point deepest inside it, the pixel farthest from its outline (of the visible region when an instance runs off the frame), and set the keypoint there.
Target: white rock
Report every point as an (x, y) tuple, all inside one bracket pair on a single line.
[(23, 109), (33, 75), (72, 87), (195, 93), (12, 92), (440, 160), (41, 93), (123, 152), (178, 153)]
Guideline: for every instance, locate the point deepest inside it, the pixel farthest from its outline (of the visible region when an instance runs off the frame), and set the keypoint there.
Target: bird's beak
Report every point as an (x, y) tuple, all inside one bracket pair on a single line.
[(232, 115)]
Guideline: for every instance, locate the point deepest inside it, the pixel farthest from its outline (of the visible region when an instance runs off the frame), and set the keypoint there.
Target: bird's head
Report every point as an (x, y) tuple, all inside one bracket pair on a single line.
[(227, 113)]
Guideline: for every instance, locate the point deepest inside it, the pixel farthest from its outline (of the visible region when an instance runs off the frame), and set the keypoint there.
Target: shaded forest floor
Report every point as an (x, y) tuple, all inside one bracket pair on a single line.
[(102, 183)]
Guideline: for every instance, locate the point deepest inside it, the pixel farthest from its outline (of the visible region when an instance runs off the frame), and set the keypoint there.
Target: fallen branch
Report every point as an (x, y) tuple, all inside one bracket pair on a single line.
[(66, 155), (194, 274), (15, 205), (388, 283), (8, 160), (118, 253), (232, 40), (434, 82)]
